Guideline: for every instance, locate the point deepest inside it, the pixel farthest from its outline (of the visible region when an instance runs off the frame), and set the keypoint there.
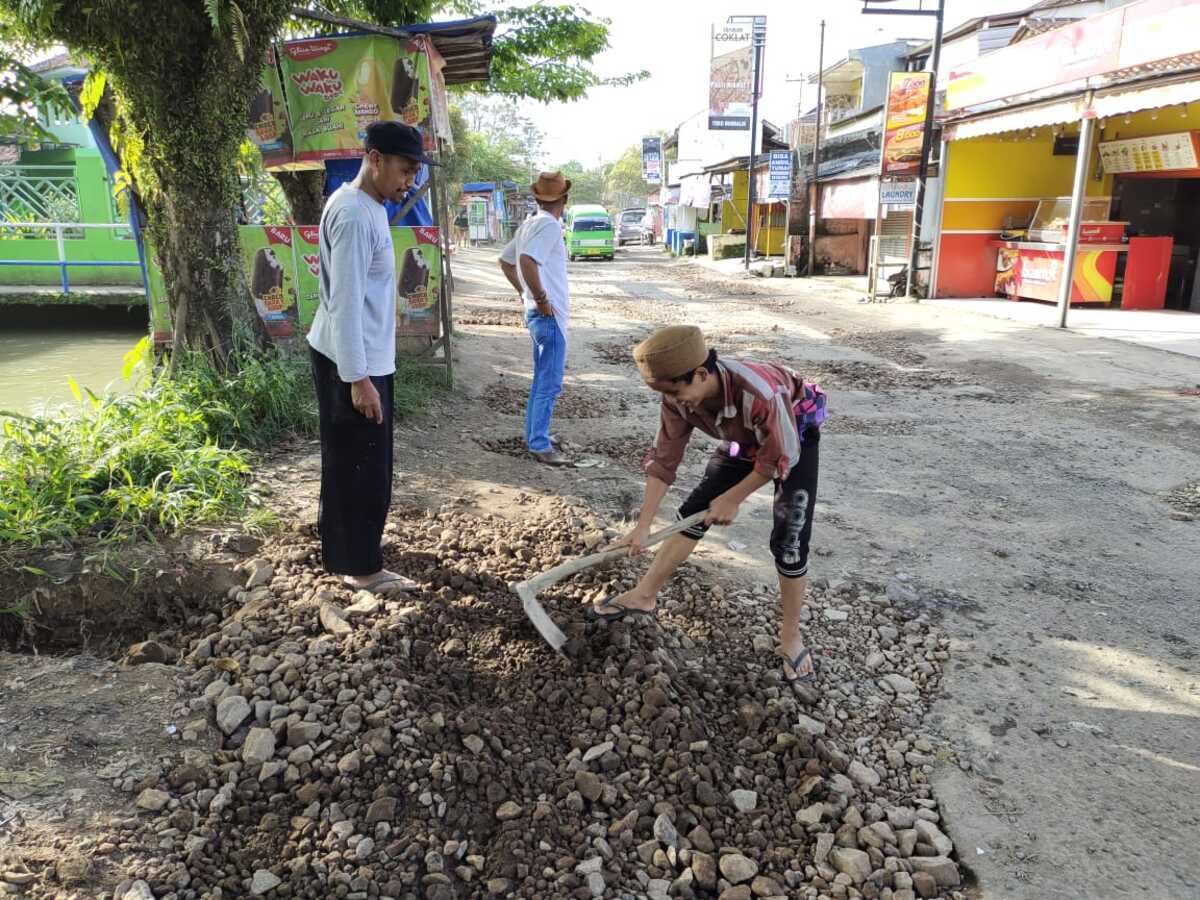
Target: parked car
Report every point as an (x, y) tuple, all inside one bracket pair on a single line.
[(631, 229), (589, 231)]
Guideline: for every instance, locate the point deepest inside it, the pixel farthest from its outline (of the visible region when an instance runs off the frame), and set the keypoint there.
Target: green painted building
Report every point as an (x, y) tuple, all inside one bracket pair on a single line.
[(64, 182)]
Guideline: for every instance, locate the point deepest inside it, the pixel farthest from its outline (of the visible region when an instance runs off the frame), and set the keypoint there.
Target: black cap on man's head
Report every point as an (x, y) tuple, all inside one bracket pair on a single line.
[(397, 139)]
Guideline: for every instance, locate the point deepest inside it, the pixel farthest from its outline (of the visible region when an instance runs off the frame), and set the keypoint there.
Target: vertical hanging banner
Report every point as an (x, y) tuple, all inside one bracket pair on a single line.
[(731, 78), (418, 280), (268, 126), (308, 273), (652, 160), (904, 131), (336, 87), (271, 273)]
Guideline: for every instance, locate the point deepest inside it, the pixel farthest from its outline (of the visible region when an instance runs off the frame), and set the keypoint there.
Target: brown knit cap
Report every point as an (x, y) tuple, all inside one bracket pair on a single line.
[(670, 353)]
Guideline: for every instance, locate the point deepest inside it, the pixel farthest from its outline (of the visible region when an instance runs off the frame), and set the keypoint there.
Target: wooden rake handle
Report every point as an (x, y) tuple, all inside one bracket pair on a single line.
[(552, 576)]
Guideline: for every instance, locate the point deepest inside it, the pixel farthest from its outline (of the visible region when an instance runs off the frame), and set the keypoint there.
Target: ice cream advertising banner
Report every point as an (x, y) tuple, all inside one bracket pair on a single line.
[(308, 273), (160, 309), (908, 101), (270, 271), (336, 87), (267, 127), (418, 280), (731, 78)]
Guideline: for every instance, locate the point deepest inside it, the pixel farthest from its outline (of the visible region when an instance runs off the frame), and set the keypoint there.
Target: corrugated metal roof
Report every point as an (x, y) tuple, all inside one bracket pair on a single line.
[(465, 44), (993, 37)]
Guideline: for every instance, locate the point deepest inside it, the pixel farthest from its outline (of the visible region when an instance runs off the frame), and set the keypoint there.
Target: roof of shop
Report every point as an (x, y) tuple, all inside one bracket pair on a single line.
[(465, 44)]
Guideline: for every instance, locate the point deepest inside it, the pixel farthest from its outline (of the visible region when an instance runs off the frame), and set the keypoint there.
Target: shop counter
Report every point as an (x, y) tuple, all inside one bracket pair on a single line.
[(1031, 270)]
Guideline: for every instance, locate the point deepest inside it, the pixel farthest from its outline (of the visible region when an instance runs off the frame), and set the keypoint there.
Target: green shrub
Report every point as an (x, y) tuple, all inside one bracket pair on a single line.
[(176, 451)]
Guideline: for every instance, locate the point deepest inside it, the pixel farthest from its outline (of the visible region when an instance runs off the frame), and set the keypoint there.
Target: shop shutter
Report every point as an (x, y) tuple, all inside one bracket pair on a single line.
[(895, 234)]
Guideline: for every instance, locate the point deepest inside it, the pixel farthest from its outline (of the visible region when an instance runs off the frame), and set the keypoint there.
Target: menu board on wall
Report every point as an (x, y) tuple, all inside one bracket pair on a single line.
[(1159, 153)]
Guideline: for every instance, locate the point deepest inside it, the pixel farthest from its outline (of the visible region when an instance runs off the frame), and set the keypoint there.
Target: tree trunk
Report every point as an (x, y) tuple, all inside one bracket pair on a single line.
[(195, 237), (305, 192)]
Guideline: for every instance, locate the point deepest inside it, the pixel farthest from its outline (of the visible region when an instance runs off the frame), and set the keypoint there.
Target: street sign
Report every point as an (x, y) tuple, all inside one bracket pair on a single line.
[(779, 171)]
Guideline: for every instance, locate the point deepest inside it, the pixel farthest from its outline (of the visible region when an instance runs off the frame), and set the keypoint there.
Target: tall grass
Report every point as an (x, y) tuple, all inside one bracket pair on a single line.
[(176, 452)]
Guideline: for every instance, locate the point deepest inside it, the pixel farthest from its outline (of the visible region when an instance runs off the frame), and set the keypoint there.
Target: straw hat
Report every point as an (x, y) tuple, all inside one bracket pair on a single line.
[(550, 186)]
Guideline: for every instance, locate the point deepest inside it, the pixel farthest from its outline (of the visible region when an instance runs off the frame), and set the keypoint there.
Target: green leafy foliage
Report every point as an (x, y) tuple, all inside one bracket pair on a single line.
[(23, 93), (623, 184), (492, 142), (173, 453), (544, 52)]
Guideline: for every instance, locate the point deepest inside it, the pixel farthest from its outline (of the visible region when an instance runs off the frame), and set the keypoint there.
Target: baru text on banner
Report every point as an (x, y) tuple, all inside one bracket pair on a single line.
[(731, 78)]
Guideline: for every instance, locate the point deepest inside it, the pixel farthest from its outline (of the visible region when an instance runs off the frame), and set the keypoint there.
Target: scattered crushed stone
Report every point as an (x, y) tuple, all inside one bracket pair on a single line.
[(575, 402), (616, 353), (1184, 501), (431, 746), (891, 345), (842, 424), (862, 376), (474, 315)]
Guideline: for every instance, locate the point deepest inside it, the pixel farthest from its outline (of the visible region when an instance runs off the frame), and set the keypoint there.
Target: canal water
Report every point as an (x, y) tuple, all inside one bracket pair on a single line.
[(40, 349)]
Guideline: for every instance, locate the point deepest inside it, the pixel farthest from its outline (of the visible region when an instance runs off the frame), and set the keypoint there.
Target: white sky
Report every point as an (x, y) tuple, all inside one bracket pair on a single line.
[(670, 38)]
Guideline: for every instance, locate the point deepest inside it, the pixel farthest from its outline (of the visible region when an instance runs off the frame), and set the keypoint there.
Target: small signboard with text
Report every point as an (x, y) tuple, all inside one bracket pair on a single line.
[(779, 170), (902, 192)]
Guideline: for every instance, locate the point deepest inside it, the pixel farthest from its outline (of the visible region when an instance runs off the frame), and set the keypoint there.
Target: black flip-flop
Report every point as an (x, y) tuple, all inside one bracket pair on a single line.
[(593, 613), (795, 667)]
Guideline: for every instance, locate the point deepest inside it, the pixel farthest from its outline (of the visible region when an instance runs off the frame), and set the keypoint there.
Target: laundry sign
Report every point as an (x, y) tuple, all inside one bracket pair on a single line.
[(898, 193)]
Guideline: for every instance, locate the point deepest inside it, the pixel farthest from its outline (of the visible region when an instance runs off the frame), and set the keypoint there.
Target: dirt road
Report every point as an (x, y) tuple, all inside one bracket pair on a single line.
[(1013, 479), (1000, 486)]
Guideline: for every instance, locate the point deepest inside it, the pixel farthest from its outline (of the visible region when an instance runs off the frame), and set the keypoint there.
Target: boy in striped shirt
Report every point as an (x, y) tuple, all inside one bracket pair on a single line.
[(768, 421)]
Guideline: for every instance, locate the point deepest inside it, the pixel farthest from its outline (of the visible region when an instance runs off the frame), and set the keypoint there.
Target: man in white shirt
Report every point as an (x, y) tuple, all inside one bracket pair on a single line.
[(535, 263), (353, 346)]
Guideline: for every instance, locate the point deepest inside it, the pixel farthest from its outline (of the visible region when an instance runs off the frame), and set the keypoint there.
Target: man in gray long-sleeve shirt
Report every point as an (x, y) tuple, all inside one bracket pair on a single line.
[(353, 344)]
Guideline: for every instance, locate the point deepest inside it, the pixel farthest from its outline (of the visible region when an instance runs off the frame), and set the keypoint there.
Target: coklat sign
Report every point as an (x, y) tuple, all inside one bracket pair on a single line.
[(731, 78)]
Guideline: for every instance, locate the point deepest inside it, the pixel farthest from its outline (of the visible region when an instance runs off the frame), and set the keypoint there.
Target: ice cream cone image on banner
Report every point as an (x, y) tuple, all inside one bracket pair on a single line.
[(405, 90), (414, 281), (369, 91), (266, 284)]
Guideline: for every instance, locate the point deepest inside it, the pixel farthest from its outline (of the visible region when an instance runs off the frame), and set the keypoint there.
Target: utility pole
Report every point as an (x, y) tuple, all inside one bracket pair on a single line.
[(815, 197), (758, 43), (927, 137), (787, 219)]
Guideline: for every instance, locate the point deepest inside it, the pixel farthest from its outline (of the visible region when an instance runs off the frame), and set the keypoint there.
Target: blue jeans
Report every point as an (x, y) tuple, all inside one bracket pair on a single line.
[(549, 359)]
